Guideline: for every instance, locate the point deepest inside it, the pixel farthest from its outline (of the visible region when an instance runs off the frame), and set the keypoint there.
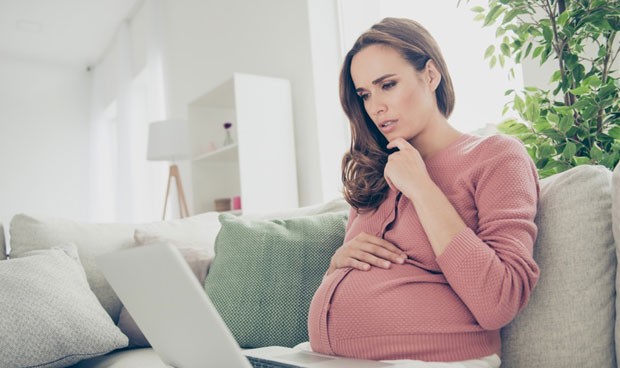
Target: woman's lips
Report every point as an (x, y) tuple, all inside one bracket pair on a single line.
[(388, 125)]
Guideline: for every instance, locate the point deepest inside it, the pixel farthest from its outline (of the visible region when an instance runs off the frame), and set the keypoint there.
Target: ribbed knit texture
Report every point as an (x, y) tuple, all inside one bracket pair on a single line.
[(446, 308)]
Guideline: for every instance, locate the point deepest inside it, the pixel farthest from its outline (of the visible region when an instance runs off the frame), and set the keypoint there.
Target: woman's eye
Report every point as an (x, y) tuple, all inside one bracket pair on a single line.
[(388, 85), (364, 96)]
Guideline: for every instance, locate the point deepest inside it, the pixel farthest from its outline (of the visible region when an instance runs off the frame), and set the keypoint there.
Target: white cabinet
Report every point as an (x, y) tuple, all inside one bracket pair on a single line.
[(260, 164)]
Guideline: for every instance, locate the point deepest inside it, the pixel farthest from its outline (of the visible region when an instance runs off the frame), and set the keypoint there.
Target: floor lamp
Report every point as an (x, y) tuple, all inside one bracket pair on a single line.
[(169, 141)]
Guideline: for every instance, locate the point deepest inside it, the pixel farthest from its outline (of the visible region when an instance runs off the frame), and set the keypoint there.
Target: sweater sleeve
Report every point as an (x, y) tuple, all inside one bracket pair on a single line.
[(493, 270)]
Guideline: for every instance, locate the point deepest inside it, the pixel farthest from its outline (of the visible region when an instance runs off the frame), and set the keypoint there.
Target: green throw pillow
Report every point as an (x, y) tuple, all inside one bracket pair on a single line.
[(265, 273)]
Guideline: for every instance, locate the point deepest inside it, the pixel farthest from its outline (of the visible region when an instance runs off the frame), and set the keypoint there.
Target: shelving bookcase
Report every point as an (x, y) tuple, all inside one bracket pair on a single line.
[(260, 164)]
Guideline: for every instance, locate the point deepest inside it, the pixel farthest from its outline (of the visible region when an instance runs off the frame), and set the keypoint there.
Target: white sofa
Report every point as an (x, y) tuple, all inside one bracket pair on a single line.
[(569, 322)]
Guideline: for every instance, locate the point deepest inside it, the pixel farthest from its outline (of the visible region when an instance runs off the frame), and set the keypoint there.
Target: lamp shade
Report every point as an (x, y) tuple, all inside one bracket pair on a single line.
[(168, 141)]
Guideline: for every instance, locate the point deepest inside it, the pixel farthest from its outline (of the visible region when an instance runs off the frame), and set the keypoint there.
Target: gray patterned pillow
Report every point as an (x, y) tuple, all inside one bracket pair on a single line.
[(50, 317), (29, 233)]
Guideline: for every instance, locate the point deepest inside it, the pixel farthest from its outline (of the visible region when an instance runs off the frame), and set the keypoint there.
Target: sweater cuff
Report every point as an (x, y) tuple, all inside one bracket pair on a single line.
[(462, 246)]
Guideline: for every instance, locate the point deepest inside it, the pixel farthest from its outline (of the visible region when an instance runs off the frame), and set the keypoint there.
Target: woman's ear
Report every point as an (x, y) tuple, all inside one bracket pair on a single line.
[(433, 75)]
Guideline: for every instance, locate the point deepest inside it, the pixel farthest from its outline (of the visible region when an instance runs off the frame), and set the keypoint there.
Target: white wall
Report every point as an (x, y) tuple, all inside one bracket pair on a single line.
[(44, 109), (207, 40), (331, 122), (43, 139)]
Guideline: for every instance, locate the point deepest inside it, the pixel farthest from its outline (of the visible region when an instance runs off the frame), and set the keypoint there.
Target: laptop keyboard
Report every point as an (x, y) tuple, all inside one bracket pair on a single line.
[(263, 363)]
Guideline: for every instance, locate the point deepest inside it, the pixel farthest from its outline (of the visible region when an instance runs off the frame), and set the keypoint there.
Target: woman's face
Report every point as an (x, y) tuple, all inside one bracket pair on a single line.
[(400, 100)]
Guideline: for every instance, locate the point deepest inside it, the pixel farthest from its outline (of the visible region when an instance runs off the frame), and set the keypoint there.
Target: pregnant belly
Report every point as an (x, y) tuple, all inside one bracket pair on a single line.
[(403, 300)]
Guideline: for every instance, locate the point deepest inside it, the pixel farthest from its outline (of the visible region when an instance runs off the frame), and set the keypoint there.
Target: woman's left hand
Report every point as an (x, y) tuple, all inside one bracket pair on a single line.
[(405, 170)]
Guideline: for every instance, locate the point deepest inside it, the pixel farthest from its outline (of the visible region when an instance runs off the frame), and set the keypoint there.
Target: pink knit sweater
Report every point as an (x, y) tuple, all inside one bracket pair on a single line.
[(445, 308)]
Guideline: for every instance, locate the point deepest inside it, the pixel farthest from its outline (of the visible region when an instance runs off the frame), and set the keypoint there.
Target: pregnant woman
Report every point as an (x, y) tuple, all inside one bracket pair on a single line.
[(437, 255)]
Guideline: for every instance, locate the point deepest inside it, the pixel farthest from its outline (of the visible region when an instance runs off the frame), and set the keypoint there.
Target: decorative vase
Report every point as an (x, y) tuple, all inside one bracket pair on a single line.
[(228, 138)]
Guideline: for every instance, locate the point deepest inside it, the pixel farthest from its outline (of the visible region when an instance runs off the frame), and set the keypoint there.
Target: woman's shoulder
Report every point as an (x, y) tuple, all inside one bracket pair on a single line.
[(500, 154), (497, 145), (498, 141), (473, 153)]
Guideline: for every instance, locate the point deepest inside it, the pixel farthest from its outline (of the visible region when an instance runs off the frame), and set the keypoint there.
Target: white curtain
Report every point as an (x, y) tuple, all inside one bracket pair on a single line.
[(128, 92)]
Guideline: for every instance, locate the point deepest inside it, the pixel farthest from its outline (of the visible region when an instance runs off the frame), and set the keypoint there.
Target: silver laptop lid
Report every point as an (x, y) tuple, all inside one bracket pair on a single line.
[(171, 308)]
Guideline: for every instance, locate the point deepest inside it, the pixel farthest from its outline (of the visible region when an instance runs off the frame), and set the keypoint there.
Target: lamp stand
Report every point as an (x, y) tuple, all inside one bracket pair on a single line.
[(174, 173)]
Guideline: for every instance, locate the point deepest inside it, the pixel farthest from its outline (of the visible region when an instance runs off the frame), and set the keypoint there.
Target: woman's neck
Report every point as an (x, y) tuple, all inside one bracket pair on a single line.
[(437, 136)]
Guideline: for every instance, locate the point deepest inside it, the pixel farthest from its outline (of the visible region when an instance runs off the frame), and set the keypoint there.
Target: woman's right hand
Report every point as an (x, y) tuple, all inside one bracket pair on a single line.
[(365, 251)]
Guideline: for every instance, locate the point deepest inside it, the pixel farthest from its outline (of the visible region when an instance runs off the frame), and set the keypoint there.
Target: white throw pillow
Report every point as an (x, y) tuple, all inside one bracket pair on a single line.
[(50, 317), (197, 231), (569, 321), (31, 233)]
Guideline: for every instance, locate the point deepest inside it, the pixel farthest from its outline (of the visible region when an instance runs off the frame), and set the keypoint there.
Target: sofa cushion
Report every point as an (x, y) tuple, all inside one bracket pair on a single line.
[(334, 205), (615, 218), (265, 273), (50, 317), (195, 237), (197, 231), (568, 322), (3, 251), (132, 358), (31, 233)]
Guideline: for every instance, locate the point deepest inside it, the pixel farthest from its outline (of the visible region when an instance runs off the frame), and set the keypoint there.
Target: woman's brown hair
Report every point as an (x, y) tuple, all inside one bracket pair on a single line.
[(365, 187)]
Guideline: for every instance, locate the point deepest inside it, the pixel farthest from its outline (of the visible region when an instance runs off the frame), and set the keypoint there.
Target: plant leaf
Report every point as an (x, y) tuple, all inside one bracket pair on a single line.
[(541, 124), (479, 17), (580, 90), (581, 160), (563, 18), (593, 81), (492, 15), (519, 104), (489, 51), (505, 49), (553, 118), (537, 51), (569, 150), (528, 49), (614, 132), (566, 122), (547, 34), (596, 153)]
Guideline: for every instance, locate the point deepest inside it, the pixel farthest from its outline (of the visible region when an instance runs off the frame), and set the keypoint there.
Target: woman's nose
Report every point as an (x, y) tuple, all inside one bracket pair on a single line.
[(377, 107)]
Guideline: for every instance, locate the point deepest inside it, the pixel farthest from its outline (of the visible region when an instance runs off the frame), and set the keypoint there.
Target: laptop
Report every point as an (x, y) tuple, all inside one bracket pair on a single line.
[(177, 317)]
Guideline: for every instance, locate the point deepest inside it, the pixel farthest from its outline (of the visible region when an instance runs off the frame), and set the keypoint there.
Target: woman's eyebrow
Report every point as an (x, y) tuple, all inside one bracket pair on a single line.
[(377, 81), (381, 78)]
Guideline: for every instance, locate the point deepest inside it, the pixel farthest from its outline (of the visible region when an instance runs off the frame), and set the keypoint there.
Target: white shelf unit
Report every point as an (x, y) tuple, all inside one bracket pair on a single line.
[(260, 164)]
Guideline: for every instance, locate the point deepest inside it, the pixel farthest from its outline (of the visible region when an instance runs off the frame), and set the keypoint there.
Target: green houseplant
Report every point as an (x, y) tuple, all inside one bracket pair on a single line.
[(576, 121)]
